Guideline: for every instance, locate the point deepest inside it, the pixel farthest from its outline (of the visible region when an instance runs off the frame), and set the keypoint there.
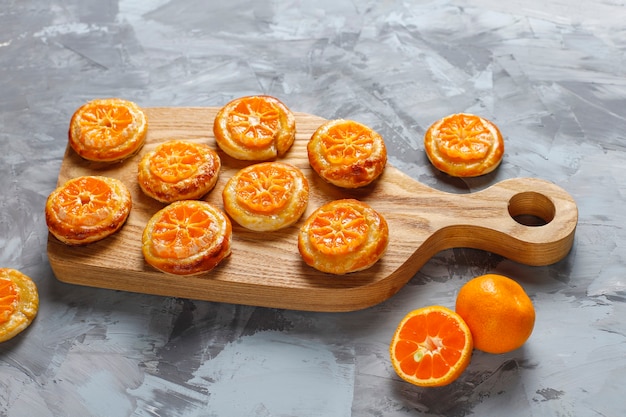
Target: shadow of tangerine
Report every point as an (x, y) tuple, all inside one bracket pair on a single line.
[(531, 209)]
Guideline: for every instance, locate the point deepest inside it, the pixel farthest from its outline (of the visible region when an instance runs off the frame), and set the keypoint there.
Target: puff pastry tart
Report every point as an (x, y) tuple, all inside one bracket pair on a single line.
[(19, 302), (87, 209), (255, 128), (346, 153), (464, 145), (108, 130), (187, 237), (266, 196), (343, 236), (178, 170)]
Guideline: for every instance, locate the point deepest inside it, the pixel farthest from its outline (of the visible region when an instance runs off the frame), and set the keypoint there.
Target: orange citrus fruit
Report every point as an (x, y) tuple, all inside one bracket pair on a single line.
[(432, 346), (107, 130), (187, 237), (346, 153), (266, 196), (86, 209), (343, 236), (19, 302), (464, 145), (178, 170), (255, 128), (498, 311)]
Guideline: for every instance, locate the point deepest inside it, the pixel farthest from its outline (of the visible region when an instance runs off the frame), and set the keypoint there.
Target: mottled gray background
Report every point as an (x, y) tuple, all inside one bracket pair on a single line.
[(549, 73)]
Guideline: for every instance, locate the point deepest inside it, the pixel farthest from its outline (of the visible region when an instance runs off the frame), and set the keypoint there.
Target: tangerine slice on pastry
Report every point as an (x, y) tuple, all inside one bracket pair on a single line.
[(107, 130), (255, 128), (87, 209), (19, 302), (178, 170), (343, 236), (266, 196)]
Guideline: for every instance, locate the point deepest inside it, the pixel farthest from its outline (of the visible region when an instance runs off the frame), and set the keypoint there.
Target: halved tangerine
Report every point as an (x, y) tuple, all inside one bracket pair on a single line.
[(178, 170), (19, 302), (255, 128), (431, 346), (107, 130), (87, 209), (343, 236), (347, 153), (187, 237), (464, 145), (266, 196)]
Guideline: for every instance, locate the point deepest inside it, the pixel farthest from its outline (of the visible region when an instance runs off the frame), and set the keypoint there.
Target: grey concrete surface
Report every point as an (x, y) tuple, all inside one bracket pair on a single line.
[(549, 73)]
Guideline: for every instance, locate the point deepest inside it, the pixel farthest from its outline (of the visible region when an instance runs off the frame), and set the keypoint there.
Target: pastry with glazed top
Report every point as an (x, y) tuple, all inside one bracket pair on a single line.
[(266, 196), (108, 130), (87, 209), (187, 237), (255, 128), (464, 145), (346, 153), (343, 236), (178, 170), (19, 302)]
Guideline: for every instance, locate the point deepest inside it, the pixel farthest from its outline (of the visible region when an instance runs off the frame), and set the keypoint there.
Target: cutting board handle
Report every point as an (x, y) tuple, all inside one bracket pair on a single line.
[(528, 220)]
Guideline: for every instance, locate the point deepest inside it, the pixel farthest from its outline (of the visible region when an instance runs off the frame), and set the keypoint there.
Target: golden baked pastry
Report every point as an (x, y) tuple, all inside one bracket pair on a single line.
[(87, 209), (255, 128), (187, 237), (108, 130), (266, 196), (346, 153), (464, 145), (19, 302), (178, 170), (343, 236)]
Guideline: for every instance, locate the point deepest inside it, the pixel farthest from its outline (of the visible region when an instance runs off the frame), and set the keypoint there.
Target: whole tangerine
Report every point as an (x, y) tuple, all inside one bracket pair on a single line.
[(498, 312)]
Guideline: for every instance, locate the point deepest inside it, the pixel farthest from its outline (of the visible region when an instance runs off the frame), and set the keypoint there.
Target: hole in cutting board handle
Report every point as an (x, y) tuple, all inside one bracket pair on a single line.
[(531, 209)]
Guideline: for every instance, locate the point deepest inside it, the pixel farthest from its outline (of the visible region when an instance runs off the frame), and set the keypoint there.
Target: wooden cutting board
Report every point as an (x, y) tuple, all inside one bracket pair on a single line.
[(265, 269)]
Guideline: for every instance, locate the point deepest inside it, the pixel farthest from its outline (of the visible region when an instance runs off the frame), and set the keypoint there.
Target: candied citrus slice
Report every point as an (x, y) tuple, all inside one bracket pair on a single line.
[(178, 170), (187, 237), (255, 128), (266, 196), (464, 145), (343, 236), (431, 346), (87, 209), (347, 153), (107, 130), (19, 302)]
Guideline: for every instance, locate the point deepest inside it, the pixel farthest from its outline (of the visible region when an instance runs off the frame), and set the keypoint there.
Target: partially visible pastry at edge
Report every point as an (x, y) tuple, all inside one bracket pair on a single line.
[(108, 130), (255, 128), (178, 170), (19, 302), (343, 236), (464, 145), (87, 209), (266, 196), (346, 153), (187, 237)]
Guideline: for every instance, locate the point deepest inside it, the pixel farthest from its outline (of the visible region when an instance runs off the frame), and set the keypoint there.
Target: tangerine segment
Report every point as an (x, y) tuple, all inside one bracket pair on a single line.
[(19, 302), (431, 346), (266, 196), (464, 145), (498, 311), (87, 209), (347, 153), (343, 236), (255, 128), (178, 170), (108, 129), (187, 237)]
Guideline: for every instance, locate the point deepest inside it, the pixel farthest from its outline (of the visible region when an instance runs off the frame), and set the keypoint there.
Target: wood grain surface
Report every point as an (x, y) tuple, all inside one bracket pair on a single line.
[(265, 269)]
